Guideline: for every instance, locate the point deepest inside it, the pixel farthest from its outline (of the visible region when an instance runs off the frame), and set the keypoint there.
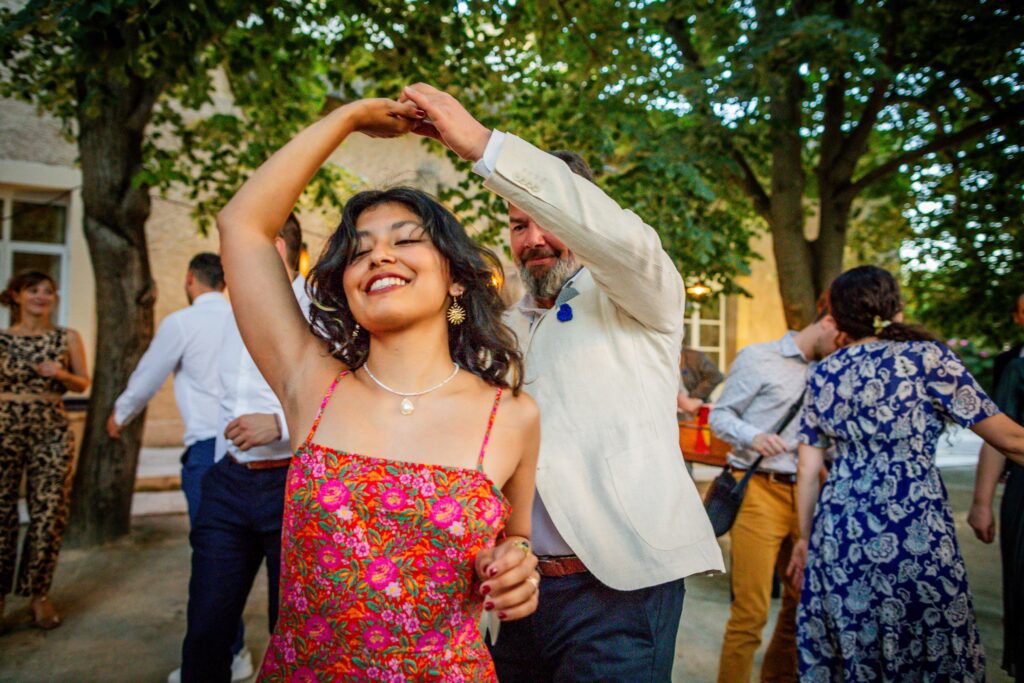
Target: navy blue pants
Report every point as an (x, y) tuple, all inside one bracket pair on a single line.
[(584, 631), (195, 461), (237, 527)]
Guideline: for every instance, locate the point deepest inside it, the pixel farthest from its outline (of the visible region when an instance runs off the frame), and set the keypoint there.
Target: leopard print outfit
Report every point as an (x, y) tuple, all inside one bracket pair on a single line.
[(34, 439)]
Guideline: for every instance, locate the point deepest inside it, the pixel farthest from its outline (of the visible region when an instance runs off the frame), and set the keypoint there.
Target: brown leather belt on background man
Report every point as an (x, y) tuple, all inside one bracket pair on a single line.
[(262, 464), (777, 477), (560, 565)]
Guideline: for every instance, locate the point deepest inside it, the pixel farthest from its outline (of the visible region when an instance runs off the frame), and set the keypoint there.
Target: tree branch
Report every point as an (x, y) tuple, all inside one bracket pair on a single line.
[(751, 185), (856, 142), (1010, 115)]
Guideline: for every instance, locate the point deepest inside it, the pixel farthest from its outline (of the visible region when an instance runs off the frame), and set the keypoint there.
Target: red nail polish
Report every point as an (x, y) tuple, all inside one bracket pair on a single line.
[(484, 590), (493, 571), (488, 605), (501, 615)]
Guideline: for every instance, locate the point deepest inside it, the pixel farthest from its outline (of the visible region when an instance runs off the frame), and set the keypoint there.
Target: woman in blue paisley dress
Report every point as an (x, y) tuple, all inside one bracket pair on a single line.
[(885, 594)]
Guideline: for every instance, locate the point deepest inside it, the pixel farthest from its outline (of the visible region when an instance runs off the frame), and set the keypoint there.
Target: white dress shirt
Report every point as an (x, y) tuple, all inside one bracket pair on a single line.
[(246, 392), (187, 343)]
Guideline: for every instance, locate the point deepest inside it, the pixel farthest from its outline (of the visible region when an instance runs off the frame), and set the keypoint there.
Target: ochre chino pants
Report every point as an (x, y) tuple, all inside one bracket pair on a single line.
[(762, 538)]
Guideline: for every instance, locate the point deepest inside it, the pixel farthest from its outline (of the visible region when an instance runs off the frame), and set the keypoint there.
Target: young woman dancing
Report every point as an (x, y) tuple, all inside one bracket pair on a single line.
[(421, 451)]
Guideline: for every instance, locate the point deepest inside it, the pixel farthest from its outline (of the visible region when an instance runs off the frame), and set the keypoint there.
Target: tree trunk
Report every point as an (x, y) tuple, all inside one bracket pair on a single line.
[(110, 141), (792, 255)]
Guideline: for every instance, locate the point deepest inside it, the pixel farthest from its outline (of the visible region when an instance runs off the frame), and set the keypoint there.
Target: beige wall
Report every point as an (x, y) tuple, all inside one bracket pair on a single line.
[(759, 317)]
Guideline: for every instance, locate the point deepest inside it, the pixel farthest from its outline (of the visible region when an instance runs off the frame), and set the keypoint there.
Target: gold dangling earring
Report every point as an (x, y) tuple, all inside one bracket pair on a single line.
[(456, 313)]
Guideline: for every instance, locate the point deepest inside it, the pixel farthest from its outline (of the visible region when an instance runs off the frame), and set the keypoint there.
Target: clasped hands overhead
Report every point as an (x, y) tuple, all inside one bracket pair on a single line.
[(424, 110)]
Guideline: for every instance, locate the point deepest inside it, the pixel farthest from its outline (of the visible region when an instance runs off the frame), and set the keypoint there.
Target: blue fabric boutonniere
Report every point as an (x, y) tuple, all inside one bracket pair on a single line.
[(564, 313)]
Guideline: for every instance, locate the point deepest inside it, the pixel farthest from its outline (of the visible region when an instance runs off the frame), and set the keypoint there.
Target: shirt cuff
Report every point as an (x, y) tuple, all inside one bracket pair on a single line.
[(746, 434), (122, 412), (486, 164)]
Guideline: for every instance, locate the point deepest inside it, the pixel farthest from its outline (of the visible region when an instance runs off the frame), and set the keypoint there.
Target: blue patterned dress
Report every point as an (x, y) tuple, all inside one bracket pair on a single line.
[(885, 594)]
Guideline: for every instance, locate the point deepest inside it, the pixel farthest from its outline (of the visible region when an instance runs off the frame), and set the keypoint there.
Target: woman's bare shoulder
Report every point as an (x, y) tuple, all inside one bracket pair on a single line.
[(521, 409)]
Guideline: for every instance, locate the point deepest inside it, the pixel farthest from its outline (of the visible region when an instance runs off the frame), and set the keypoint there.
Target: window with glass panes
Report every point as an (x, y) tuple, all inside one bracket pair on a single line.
[(34, 236), (705, 327)]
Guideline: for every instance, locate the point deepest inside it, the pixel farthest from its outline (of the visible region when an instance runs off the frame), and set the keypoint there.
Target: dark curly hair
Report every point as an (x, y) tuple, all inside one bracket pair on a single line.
[(864, 300), (483, 344), (21, 282)]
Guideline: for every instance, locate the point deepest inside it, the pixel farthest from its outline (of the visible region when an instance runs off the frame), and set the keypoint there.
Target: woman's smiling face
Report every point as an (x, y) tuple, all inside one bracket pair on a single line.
[(397, 276)]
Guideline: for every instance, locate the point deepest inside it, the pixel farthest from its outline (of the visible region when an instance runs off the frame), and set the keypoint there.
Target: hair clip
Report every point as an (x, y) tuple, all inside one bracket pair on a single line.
[(880, 324)]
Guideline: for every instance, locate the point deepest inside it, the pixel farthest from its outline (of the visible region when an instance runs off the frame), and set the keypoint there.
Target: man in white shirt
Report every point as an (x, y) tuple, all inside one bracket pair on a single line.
[(239, 522), (187, 344), (617, 522)]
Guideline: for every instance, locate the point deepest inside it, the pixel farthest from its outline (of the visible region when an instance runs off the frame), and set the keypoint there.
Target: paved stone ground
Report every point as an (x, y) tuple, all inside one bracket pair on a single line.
[(124, 605)]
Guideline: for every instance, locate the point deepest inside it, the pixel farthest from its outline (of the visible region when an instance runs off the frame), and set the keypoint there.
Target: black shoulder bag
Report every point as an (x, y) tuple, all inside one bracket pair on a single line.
[(722, 501)]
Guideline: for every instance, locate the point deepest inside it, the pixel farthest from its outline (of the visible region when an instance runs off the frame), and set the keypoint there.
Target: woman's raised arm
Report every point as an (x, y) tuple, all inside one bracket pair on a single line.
[(271, 323)]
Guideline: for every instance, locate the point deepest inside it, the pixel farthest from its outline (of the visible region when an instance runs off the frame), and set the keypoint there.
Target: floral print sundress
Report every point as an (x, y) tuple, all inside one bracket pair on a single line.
[(377, 578), (885, 594)]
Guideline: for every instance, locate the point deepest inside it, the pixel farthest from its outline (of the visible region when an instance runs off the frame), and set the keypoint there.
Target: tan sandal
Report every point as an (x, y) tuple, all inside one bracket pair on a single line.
[(47, 617)]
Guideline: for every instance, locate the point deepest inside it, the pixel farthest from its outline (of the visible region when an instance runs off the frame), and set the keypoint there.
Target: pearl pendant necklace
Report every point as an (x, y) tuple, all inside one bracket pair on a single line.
[(406, 407)]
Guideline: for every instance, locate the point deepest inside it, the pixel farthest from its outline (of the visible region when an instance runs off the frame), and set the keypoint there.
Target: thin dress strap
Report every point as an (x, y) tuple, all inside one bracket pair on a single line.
[(487, 434), (323, 404)]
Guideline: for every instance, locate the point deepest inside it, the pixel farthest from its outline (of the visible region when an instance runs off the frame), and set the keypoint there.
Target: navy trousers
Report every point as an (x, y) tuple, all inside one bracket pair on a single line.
[(584, 631), (195, 462), (237, 527)]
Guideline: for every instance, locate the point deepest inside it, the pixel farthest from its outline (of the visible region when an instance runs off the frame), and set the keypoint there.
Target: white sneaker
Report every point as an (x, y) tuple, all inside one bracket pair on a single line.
[(241, 668), (241, 665)]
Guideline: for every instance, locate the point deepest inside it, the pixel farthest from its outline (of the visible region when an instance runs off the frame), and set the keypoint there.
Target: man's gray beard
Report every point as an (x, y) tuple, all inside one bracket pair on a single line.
[(548, 285)]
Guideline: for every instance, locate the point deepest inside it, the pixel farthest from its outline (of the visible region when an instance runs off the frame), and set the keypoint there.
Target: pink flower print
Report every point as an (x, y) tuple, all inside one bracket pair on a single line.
[(374, 672), (388, 616), (393, 591), (396, 678), (332, 495), (431, 641), (290, 656), (362, 549), (445, 511), (490, 510), (442, 572), (428, 489), (319, 470), (318, 628), (376, 637), (405, 479), (394, 499), (380, 573), (411, 626), (451, 552), (330, 557), (301, 604), (457, 529), (467, 633)]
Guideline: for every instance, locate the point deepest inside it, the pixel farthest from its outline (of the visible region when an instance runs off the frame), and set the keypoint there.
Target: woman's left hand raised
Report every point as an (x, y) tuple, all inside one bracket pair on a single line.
[(383, 118), (510, 583)]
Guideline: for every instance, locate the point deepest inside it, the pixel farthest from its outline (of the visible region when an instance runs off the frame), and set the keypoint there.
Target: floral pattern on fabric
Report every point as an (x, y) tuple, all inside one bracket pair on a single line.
[(377, 577), (885, 594)]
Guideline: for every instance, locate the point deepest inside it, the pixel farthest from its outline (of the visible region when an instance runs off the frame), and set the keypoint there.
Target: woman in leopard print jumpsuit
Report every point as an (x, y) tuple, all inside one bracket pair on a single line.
[(38, 363)]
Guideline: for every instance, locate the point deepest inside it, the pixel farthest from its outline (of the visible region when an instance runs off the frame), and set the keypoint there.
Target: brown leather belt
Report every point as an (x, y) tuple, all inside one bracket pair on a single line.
[(563, 565), (776, 477), (262, 464)]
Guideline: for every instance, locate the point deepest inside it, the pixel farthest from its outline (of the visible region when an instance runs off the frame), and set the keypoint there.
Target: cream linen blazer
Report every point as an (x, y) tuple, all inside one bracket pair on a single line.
[(610, 472)]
